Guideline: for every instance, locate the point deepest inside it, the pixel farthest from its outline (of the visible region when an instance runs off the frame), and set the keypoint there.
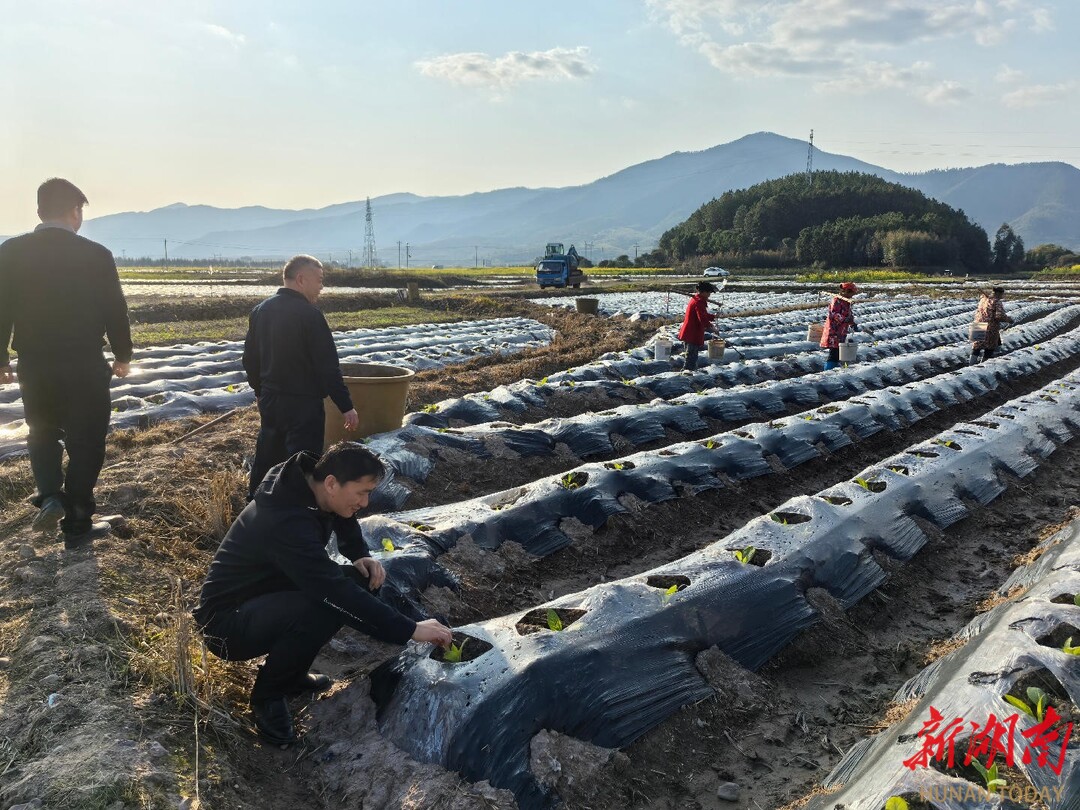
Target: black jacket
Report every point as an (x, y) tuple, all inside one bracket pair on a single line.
[(278, 543), (290, 349), (61, 295)]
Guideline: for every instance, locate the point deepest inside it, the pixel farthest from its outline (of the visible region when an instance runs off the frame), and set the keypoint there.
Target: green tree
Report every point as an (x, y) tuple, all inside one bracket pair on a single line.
[(1008, 250)]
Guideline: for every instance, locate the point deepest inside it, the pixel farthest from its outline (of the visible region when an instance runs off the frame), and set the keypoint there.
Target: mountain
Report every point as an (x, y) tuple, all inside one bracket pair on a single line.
[(613, 214)]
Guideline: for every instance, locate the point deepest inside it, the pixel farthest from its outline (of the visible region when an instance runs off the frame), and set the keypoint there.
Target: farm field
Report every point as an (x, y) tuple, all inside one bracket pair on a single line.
[(742, 586)]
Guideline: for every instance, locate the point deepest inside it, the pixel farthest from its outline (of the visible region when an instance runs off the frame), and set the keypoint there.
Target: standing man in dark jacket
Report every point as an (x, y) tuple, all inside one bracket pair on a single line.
[(273, 590), (292, 365), (60, 294)]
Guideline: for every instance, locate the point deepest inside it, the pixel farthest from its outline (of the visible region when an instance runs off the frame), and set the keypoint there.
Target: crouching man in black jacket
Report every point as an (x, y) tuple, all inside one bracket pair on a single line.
[(272, 589)]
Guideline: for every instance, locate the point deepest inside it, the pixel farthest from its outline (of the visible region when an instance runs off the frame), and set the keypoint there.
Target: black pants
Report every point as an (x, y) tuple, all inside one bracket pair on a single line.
[(69, 402), (978, 355), (287, 627), (692, 352), (834, 355), (289, 423)]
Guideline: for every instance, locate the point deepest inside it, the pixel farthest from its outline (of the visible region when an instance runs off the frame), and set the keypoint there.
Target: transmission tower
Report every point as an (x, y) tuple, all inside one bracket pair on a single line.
[(370, 260), (810, 161)]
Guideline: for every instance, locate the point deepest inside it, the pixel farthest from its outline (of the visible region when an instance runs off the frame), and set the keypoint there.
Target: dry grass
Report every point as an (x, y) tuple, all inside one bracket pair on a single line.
[(996, 599), (816, 793), (942, 648)]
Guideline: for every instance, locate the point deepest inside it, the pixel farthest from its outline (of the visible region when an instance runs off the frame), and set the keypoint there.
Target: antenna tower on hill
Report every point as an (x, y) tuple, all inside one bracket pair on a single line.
[(810, 161), (371, 259)]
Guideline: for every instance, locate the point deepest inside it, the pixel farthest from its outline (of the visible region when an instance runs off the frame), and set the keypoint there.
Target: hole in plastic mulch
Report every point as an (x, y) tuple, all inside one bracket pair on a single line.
[(574, 480), (1056, 696), (666, 581), (789, 518), (981, 423), (538, 620), (471, 647), (924, 454), (871, 486), (620, 465), (900, 469), (836, 500), (758, 558), (1058, 637), (1064, 599)]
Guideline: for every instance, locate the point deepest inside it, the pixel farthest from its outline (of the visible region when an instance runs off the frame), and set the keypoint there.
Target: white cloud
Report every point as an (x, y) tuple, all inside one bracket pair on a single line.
[(1041, 21), (502, 72), (1038, 95), (1007, 75), (221, 32), (841, 45)]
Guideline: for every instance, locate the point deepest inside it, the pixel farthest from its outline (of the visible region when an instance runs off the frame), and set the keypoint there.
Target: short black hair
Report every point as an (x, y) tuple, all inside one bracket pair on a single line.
[(348, 461), (56, 196), (999, 292)]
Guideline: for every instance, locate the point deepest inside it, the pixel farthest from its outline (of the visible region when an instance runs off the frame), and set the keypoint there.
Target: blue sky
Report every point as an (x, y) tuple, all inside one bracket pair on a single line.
[(288, 104)]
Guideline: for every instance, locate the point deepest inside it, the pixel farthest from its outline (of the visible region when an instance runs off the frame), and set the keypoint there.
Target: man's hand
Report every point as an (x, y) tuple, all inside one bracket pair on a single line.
[(373, 570), (433, 631), (6, 375), (352, 419), (121, 369)]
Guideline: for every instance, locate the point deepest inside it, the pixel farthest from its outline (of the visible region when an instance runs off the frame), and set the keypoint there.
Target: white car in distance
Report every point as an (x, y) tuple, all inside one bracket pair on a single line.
[(716, 272)]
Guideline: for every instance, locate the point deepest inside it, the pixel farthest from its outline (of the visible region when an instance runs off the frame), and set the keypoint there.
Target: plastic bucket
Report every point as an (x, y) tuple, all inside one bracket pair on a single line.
[(717, 349), (662, 349), (814, 332), (848, 352), (589, 306), (978, 331), (378, 393)]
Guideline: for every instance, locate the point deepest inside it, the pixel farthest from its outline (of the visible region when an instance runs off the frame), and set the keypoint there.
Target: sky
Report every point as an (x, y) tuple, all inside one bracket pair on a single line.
[(144, 103)]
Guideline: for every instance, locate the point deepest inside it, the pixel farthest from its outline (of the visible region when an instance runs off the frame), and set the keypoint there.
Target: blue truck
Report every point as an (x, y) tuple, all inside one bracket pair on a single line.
[(559, 268)]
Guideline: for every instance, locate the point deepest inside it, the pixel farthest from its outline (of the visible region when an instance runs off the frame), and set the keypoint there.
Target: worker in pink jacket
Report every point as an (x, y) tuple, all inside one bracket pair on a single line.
[(696, 320), (838, 323)]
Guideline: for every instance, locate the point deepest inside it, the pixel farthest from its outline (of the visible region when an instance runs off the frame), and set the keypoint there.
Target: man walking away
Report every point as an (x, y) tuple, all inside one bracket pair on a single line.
[(60, 294), (272, 589), (292, 364), (695, 323), (992, 312)]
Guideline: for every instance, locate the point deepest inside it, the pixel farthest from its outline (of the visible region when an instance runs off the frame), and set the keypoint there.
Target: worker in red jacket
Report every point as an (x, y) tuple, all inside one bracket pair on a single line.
[(696, 320), (839, 321)]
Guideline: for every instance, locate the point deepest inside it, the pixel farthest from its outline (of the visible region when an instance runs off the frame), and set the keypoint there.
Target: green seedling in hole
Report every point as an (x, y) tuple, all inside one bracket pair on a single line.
[(453, 655), (1076, 600), (862, 482), (898, 470), (665, 597), (433, 408), (1067, 647), (544, 381), (745, 555), (553, 620), (1037, 708), (231, 388), (618, 465), (807, 417), (487, 397), (422, 527), (990, 776), (568, 482), (569, 383), (711, 445), (780, 520), (443, 430), (895, 803), (388, 545), (945, 442)]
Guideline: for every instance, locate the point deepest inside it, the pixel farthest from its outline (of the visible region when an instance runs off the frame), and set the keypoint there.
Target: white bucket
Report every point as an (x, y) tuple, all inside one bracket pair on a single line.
[(716, 349), (662, 349), (814, 332), (848, 351)]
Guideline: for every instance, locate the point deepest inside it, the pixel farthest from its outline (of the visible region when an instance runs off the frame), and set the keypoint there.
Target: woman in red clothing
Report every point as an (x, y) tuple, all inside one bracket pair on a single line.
[(696, 320), (838, 323)]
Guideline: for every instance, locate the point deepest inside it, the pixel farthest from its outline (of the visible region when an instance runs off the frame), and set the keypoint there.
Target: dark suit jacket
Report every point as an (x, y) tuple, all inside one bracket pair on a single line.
[(61, 295)]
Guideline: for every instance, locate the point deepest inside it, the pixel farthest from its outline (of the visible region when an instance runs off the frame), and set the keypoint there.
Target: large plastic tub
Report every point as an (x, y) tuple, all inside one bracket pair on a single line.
[(378, 393), (589, 306)]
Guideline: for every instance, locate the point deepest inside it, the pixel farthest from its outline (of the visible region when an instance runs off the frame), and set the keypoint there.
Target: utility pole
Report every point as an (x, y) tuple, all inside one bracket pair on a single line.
[(407, 255), (810, 161), (476, 256), (635, 252), (166, 241), (350, 258)]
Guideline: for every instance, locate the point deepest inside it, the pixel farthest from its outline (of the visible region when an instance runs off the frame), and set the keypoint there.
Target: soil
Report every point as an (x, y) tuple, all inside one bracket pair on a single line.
[(108, 701)]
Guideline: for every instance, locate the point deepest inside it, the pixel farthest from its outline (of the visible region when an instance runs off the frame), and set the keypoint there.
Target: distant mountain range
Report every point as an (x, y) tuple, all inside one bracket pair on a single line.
[(613, 214)]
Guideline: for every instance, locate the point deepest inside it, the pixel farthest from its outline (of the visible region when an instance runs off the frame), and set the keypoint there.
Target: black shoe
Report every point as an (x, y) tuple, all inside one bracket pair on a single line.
[(96, 530), (311, 682), (48, 518), (273, 720)]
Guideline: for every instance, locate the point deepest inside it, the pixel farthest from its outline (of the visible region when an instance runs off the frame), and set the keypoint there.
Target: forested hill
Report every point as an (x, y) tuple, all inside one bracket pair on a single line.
[(842, 219)]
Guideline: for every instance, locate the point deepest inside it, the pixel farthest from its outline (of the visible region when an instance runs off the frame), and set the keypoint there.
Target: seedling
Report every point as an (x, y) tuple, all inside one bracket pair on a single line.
[(710, 444), (862, 482), (232, 389), (990, 776), (443, 430), (453, 655), (1076, 600), (781, 520), (896, 803), (807, 417), (421, 527), (665, 597), (388, 545), (618, 465), (553, 621), (947, 443), (571, 481), (745, 555), (1036, 709), (433, 408), (1068, 647)]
